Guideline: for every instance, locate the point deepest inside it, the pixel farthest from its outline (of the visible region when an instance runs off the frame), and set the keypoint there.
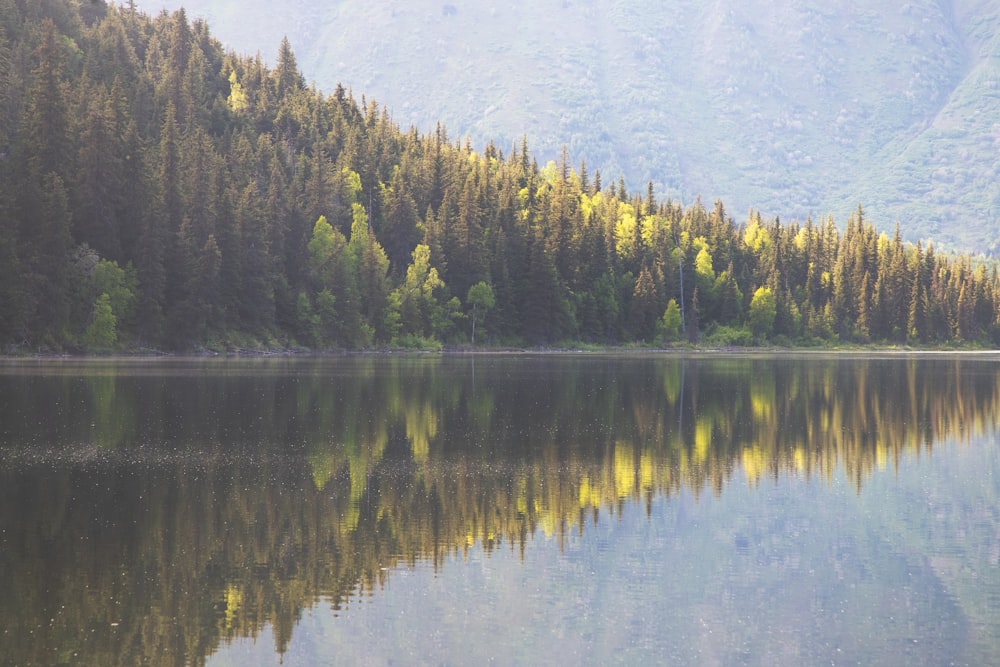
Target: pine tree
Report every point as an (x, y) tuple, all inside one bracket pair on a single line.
[(915, 324), (965, 329), (692, 323), (47, 137), (402, 224), (47, 257), (645, 307), (256, 308), (464, 239), (287, 77), (169, 185), (547, 314), (864, 301), (728, 297), (175, 68)]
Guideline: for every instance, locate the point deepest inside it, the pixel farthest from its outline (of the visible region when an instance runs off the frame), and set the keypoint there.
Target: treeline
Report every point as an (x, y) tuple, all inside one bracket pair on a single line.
[(158, 192)]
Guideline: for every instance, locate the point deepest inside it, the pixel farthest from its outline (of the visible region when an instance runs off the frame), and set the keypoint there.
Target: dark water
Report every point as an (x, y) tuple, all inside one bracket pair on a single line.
[(711, 510)]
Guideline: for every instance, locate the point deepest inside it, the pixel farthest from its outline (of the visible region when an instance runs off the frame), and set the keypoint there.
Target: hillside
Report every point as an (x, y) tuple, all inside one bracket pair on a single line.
[(158, 191), (796, 108)]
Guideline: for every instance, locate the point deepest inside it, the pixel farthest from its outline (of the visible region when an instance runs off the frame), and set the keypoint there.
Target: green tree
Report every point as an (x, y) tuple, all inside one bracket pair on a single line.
[(916, 321), (46, 120), (307, 321), (728, 297), (101, 333), (48, 254), (547, 313), (251, 291), (763, 310), (416, 296), (644, 306), (480, 297), (693, 320), (402, 222), (369, 263), (445, 319), (122, 287), (326, 317), (287, 77), (330, 268), (670, 323), (98, 186)]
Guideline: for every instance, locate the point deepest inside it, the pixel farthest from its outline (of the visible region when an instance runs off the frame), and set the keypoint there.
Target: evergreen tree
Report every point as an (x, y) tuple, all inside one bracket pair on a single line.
[(47, 257), (47, 127), (916, 322), (547, 314), (256, 288), (401, 230), (645, 307), (693, 323), (287, 78)]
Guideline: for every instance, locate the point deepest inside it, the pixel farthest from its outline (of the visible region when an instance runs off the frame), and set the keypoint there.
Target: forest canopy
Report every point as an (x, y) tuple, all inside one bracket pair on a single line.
[(159, 192)]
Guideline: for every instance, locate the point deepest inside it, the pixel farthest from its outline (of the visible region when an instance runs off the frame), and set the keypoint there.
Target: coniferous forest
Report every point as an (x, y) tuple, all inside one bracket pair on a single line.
[(158, 192)]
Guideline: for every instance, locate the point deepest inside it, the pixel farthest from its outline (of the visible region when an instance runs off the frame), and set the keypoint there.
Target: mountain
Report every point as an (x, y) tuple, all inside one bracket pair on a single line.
[(795, 108)]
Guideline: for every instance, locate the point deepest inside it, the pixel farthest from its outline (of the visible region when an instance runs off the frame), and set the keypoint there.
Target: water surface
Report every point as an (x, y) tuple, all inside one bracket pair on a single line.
[(560, 509)]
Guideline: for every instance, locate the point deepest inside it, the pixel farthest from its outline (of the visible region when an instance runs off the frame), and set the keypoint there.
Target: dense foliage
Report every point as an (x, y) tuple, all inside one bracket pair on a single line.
[(158, 192)]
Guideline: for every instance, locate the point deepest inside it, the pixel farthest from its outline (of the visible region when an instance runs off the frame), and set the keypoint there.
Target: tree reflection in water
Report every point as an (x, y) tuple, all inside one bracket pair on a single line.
[(153, 510)]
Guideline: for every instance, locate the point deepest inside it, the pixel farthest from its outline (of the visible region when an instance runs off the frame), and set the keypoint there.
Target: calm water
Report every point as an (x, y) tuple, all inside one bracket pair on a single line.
[(711, 510)]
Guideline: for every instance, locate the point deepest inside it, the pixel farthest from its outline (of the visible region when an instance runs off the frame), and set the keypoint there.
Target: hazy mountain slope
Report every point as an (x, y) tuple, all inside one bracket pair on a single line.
[(947, 175), (796, 108)]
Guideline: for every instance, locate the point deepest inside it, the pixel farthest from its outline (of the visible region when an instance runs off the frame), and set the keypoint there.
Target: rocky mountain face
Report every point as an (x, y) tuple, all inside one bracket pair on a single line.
[(795, 108)]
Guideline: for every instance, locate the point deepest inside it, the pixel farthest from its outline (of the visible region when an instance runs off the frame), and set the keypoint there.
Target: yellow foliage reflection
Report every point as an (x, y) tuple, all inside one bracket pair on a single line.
[(316, 480)]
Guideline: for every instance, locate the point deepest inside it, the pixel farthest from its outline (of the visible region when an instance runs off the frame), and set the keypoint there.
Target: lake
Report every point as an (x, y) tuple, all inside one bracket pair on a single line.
[(708, 509)]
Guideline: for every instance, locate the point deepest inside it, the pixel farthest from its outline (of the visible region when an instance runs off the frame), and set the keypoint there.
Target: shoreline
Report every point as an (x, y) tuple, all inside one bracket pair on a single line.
[(150, 355)]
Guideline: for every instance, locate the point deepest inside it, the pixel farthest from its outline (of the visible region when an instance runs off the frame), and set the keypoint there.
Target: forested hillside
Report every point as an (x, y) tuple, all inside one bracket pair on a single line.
[(159, 192), (797, 107)]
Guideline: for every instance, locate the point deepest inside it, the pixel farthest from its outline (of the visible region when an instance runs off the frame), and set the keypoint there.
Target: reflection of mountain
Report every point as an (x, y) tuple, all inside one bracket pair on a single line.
[(155, 511)]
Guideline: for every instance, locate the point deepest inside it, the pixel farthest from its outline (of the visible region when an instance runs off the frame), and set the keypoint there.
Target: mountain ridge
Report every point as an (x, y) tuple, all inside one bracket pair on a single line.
[(796, 109)]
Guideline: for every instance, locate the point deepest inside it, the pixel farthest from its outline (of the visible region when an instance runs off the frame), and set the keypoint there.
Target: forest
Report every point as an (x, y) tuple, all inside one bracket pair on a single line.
[(160, 193)]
